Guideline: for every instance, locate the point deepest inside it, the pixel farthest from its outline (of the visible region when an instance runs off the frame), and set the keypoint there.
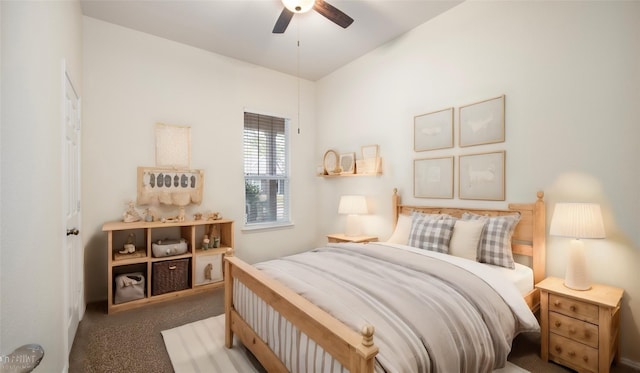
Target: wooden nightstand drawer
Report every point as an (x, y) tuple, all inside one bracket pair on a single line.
[(577, 330), (574, 308), (572, 354)]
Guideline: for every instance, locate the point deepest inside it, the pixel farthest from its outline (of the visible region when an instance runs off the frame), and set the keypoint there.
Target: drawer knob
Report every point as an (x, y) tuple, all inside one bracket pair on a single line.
[(558, 323), (556, 303), (172, 267), (572, 330), (558, 349), (587, 335), (585, 358), (572, 353), (573, 308)]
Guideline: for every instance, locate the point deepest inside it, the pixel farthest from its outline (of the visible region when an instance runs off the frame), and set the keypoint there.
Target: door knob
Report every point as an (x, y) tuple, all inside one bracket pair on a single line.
[(73, 232)]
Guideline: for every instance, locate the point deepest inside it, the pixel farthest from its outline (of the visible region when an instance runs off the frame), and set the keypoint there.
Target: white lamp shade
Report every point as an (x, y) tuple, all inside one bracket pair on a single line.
[(577, 220), (298, 6), (353, 205)]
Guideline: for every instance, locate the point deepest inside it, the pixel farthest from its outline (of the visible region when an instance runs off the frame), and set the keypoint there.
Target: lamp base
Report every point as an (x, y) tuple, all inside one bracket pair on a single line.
[(577, 275), (353, 226)]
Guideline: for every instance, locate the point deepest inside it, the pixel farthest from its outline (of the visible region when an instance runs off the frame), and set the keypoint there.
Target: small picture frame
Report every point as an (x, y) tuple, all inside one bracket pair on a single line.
[(369, 151), (482, 176), (433, 177), (347, 163), (433, 130), (482, 122), (330, 162)]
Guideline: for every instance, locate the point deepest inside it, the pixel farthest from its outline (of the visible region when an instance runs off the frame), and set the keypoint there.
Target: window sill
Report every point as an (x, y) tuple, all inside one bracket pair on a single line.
[(266, 227)]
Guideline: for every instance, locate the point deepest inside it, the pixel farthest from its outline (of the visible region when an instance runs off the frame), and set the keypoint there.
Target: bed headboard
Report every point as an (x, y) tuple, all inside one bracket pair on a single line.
[(529, 238)]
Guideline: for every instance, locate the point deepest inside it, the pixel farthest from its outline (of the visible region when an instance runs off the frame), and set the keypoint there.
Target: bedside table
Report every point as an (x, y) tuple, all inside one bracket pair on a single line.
[(579, 329), (341, 237)]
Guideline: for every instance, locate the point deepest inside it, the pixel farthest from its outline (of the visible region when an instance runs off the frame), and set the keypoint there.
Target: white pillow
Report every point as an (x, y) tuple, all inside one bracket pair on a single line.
[(401, 233), (466, 238)]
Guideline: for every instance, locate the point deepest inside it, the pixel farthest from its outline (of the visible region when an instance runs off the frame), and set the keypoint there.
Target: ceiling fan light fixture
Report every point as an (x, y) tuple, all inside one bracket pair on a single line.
[(298, 6)]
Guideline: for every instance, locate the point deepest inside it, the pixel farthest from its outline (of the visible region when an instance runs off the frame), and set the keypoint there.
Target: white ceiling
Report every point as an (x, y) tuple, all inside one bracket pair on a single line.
[(241, 29)]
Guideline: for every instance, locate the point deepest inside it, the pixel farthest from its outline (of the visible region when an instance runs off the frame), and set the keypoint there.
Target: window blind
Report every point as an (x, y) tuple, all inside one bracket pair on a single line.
[(266, 169)]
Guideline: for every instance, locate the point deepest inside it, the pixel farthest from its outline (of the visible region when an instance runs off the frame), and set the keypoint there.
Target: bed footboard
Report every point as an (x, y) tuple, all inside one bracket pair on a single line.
[(354, 351)]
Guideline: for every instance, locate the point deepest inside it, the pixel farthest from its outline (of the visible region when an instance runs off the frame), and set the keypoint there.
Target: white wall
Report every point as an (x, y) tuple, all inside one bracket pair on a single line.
[(36, 38), (132, 81), (570, 72)]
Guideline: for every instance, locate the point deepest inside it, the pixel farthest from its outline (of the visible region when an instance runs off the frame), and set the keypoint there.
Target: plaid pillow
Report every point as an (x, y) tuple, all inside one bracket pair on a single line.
[(495, 244), (431, 234)]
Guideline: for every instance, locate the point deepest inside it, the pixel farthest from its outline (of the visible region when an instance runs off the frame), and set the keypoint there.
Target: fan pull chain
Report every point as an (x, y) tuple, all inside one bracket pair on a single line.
[(298, 73)]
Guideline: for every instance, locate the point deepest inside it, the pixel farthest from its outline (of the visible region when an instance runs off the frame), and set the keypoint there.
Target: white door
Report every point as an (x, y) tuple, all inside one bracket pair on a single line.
[(73, 251)]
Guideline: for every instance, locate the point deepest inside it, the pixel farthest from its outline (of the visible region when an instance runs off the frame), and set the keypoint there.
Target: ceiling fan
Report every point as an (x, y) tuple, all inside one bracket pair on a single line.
[(332, 13)]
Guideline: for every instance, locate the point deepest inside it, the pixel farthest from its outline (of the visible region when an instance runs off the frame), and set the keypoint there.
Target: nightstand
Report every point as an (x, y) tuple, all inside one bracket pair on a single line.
[(579, 329), (341, 237)]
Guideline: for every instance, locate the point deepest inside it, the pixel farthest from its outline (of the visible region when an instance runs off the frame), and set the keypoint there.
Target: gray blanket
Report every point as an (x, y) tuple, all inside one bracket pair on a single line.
[(429, 315)]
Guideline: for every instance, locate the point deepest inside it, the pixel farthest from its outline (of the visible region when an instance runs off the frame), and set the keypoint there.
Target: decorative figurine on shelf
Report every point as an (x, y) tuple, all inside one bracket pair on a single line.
[(131, 214), (130, 246), (214, 216), (216, 242), (148, 216), (206, 242), (207, 272), (197, 216)]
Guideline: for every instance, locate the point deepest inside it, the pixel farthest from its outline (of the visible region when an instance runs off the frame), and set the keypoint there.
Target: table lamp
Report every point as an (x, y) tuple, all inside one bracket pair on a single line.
[(577, 221), (352, 206)]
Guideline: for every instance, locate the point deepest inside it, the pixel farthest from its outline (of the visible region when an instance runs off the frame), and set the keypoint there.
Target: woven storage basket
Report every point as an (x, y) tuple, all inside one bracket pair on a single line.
[(170, 275)]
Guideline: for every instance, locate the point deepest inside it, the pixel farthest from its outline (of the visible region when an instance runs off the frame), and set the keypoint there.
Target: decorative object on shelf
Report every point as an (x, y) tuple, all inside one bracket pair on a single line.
[(169, 186), (130, 245), (330, 162), (216, 242), (206, 242), (347, 163), (352, 206), (577, 221), (148, 216), (173, 146), (197, 216), (433, 130), (214, 216), (481, 176), (370, 164), (131, 214), (169, 247), (207, 271), (433, 177), (482, 122)]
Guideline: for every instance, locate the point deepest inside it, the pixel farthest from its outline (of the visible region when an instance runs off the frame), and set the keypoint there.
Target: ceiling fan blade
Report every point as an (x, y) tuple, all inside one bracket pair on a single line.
[(283, 21), (332, 13)]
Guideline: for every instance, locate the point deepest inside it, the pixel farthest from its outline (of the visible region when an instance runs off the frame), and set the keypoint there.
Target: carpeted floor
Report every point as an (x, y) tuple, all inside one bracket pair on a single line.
[(131, 341)]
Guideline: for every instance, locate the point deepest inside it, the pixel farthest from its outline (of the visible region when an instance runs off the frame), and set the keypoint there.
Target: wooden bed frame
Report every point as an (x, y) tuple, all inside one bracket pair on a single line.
[(356, 351)]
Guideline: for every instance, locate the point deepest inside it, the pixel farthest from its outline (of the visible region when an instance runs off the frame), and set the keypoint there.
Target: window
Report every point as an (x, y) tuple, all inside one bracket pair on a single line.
[(266, 170)]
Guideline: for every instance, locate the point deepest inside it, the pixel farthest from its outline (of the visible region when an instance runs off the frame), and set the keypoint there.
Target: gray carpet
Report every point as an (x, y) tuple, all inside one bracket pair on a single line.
[(131, 341)]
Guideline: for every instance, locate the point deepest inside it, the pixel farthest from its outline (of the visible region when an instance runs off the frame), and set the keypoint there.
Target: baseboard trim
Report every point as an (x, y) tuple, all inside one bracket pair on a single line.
[(630, 363)]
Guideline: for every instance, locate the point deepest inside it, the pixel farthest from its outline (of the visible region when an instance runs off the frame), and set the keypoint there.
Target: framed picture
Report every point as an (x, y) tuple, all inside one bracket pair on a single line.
[(369, 151), (348, 163), (330, 162), (481, 176), (433, 130), (173, 146), (433, 177), (169, 186), (482, 122)]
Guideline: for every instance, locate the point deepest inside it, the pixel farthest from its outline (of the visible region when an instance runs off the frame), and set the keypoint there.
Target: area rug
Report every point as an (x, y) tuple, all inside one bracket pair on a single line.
[(199, 347)]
